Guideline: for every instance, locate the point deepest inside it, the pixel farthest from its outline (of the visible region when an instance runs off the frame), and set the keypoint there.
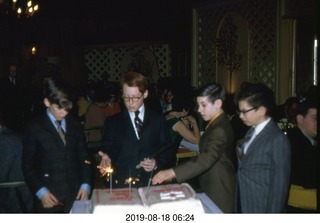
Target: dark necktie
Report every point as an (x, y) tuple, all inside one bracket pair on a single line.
[(138, 122), (61, 132), (13, 80), (242, 143)]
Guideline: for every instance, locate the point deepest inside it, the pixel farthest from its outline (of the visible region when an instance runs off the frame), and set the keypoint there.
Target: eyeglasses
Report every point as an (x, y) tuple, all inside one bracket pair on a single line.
[(134, 99), (246, 111)]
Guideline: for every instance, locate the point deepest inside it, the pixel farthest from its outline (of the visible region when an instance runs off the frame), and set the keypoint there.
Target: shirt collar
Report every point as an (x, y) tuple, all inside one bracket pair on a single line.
[(141, 114), (53, 120), (259, 127), (308, 137)]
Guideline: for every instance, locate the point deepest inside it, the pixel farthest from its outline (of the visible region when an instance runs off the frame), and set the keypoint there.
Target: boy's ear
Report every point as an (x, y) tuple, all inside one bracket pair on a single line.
[(218, 103), (145, 94), (46, 102)]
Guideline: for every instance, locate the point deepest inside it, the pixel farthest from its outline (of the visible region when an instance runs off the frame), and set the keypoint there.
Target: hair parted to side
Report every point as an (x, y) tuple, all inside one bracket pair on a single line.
[(135, 79), (257, 95), (304, 106), (213, 91), (56, 93)]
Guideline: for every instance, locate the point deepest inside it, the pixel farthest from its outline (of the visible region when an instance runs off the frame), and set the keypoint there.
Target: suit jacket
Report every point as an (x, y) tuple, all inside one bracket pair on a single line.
[(304, 162), (12, 103), (217, 174), (10, 171), (264, 172), (126, 151), (47, 162)]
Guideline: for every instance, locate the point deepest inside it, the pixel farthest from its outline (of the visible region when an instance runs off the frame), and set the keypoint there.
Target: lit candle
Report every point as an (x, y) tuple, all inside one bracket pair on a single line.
[(110, 170), (130, 179)]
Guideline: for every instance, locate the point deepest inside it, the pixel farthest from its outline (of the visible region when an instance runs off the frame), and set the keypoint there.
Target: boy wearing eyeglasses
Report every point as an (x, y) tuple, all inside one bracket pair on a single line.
[(133, 136), (263, 157)]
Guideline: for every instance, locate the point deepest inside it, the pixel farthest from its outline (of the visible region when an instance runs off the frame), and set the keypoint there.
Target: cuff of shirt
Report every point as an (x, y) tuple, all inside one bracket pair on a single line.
[(86, 187), (40, 193)]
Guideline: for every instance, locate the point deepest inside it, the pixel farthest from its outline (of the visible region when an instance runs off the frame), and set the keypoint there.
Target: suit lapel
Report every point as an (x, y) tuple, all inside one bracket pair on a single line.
[(146, 119), (265, 131), (127, 124), (48, 125)]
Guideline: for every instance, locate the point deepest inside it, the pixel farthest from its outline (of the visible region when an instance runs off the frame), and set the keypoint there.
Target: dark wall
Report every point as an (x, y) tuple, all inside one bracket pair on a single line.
[(60, 31)]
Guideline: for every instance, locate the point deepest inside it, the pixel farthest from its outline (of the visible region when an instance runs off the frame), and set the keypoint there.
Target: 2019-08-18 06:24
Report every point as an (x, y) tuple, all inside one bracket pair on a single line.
[(160, 217)]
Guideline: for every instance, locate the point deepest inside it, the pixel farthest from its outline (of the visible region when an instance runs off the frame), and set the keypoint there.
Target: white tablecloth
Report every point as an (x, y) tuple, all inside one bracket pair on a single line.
[(209, 206)]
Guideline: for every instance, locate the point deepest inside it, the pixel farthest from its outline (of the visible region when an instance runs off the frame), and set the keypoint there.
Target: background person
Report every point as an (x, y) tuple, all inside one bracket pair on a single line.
[(304, 160)]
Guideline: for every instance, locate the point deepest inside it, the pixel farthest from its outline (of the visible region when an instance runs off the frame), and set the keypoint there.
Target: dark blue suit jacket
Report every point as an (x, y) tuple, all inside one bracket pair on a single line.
[(126, 151), (47, 162)]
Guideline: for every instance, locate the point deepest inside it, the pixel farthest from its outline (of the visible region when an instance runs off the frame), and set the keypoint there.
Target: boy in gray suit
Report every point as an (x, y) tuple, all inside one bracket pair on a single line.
[(264, 155)]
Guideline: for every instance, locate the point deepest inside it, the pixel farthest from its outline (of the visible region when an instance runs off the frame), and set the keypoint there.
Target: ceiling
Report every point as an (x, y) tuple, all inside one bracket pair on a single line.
[(114, 20), (114, 10)]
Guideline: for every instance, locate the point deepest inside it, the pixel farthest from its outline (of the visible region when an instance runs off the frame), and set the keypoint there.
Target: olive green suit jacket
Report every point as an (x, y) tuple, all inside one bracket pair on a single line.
[(213, 166)]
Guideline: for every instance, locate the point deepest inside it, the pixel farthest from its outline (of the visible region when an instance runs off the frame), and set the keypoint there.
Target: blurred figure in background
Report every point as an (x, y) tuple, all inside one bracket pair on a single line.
[(287, 110), (11, 100), (182, 124), (95, 116), (13, 199)]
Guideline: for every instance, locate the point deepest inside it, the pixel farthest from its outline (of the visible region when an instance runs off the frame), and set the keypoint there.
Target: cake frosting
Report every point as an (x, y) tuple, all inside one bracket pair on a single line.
[(169, 198), (115, 201)]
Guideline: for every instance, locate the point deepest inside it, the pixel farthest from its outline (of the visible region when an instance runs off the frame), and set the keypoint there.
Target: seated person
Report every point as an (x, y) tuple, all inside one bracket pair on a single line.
[(95, 116), (112, 105), (287, 110), (82, 104), (182, 125)]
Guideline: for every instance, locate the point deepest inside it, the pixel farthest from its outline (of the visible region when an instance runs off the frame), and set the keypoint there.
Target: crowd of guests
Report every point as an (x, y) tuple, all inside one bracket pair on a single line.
[(245, 162)]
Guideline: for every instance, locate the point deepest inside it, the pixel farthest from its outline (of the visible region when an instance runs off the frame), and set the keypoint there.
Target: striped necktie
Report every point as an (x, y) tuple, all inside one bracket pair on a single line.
[(61, 132), (242, 143), (138, 122)]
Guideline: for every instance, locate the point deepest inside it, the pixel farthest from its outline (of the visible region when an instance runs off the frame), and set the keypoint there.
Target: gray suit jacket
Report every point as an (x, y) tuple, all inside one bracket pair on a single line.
[(264, 172)]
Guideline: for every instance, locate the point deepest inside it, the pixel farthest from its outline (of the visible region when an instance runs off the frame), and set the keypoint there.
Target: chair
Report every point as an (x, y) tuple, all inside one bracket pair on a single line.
[(184, 153), (16, 185), (93, 138)]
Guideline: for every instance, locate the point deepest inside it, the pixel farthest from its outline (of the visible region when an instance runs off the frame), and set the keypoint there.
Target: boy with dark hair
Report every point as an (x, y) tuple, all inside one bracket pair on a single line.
[(305, 154), (263, 155), (54, 158)]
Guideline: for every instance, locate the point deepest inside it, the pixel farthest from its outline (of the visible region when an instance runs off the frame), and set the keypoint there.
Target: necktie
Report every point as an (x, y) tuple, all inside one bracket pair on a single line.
[(61, 132), (138, 122), (242, 143), (13, 81)]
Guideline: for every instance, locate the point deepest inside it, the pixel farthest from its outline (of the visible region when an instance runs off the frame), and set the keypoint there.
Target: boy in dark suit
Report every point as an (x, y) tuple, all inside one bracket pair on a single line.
[(263, 156), (54, 158), (133, 136), (304, 162)]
